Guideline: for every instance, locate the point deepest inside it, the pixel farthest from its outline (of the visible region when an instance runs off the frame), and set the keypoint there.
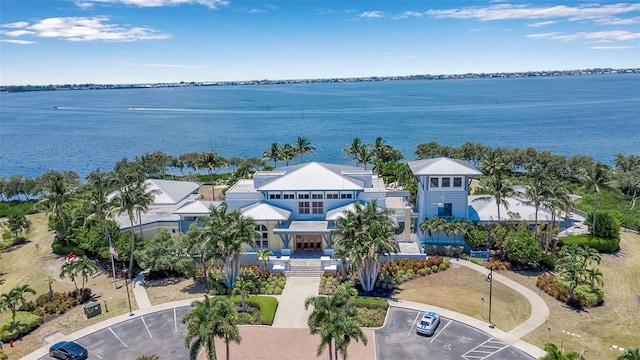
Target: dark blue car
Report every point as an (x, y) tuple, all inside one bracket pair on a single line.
[(68, 350)]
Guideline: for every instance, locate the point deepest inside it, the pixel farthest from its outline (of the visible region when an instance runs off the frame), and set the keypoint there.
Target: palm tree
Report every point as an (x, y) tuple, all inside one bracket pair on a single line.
[(288, 153), (263, 259), (354, 149), (343, 255), (69, 270), (95, 201), (213, 163), (50, 280), (366, 233), (229, 232), (630, 354), (348, 329), (558, 200), (365, 156), (595, 277), (143, 199), (538, 192), (498, 188), (208, 319), (148, 357), (598, 178), (85, 267), (11, 299), (493, 163), (555, 353), (126, 201), (56, 192), (434, 225), (274, 153), (243, 286), (303, 146)]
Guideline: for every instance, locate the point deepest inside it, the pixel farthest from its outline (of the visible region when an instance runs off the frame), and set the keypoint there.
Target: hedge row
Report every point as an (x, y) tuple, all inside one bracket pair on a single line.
[(25, 323), (604, 245), (369, 303)]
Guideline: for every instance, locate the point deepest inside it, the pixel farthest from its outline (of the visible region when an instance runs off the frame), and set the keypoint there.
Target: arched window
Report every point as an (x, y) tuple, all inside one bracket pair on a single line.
[(262, 237)]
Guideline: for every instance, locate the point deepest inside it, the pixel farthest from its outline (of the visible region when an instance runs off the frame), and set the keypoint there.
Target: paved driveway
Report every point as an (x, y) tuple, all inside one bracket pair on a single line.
[(452, 340)]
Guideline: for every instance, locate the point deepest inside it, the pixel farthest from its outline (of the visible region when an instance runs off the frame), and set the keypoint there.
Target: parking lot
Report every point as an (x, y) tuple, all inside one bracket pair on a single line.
[(451, 340), (160, 333)]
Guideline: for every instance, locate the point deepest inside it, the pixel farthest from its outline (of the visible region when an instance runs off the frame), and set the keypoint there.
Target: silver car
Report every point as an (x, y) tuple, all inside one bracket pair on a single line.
[(428, 323)]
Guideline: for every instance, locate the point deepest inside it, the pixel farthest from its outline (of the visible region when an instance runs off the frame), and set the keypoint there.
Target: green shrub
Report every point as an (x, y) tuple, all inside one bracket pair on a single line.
[(443, 266), (422, 272), (547, 261), (464, 256), (370, 303), (435, 268), (588, 297), (604, 245), (25, 323), (60, 248), (607, 224), (3, 356), (267, 306), (428, 270)]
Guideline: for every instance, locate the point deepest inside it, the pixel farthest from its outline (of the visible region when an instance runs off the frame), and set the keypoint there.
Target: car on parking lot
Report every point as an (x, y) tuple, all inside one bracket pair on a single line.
[(68, 350), (428, 323)]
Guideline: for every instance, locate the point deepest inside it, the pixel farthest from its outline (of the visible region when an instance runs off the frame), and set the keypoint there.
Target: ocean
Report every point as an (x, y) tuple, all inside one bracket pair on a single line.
[(597, 115)]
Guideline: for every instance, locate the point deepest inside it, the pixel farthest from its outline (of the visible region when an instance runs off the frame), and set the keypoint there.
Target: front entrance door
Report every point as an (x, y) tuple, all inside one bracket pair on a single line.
[(308, 242)]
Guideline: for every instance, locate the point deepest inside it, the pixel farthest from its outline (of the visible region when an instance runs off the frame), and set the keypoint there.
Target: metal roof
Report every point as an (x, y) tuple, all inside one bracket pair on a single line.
[(264, 212), (484, 209), (315, 176), (442, 166)]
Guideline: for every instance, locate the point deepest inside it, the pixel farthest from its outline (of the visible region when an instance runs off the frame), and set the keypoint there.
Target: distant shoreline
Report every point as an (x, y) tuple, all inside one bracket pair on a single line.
[(552, 73)]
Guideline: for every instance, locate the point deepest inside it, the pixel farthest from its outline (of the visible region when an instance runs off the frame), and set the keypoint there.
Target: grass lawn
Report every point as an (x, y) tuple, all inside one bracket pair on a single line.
[(460, 289), (26, 264), (173, 289), (614, 323)]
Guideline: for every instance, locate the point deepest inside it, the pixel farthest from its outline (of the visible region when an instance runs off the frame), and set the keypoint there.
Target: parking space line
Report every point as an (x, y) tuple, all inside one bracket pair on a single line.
[(480, 351), (92, 353), (413, 325), (145, 325), (175, 319), (439, 332), (117, 337)]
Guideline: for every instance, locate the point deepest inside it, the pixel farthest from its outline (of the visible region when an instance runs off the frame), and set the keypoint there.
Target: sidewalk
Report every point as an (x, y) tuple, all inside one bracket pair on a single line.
[(539, 308), (291, 312), (140, 293)]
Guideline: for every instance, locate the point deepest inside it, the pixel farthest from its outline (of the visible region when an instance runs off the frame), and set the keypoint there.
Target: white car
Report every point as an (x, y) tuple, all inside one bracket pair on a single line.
[(428, 323)]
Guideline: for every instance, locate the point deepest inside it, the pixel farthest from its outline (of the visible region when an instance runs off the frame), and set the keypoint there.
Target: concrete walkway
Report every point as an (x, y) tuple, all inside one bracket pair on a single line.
[(291, 312), (140, 293), (539, 308)]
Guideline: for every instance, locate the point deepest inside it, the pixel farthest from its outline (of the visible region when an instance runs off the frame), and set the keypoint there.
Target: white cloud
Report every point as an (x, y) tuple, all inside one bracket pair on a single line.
[(512, 12), (19, 42), (212, 4), (256, 11), (15, 25), (611, 47), (408, 14), (541, 23), (271, 7), (84, 29), (372, 14), (598, 36), (324, 11)]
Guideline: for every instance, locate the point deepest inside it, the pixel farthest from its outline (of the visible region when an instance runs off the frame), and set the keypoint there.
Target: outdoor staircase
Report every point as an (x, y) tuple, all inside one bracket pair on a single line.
[(304, 268)]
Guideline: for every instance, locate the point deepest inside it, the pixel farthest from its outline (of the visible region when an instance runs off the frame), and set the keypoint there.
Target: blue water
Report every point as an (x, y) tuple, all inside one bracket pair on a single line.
[(593, 115)]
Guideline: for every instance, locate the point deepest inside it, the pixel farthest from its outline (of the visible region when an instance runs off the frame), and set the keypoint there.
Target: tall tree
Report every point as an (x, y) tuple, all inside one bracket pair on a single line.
[(56, 191), (85, 267), (434, 226), (354, 149), (263, 259), (599, 177), (13, 298), (69, 270), (213, 163), (17, 223), (498, 188), (366, 232), (126, 201), (274, 153), (555, 353), (327, 312), (288, 153), (208, 319), (537, 193), (229, 232), (303, 146)]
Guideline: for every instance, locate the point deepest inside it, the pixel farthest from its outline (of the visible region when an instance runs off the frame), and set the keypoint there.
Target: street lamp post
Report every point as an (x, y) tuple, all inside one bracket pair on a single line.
[(489, 279), (126, 284), (482, 300)]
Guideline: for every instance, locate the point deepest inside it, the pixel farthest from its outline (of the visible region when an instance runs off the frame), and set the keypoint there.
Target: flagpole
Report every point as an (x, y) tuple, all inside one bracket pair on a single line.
[(113, 266)]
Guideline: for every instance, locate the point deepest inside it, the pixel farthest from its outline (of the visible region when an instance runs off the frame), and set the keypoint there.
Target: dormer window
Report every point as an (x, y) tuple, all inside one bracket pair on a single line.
[(457, 182), (446, 182), (274, 196), (303, 196), (433, 182)]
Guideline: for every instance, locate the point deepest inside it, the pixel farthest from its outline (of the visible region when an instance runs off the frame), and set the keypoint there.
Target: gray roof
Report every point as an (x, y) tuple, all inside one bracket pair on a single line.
[(314, 176), (485, 207), (171, 191), (264, 212), (442, 166)]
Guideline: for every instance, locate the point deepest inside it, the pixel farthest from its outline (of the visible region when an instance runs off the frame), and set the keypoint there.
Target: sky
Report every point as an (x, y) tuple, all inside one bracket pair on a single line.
[(149, 41)]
